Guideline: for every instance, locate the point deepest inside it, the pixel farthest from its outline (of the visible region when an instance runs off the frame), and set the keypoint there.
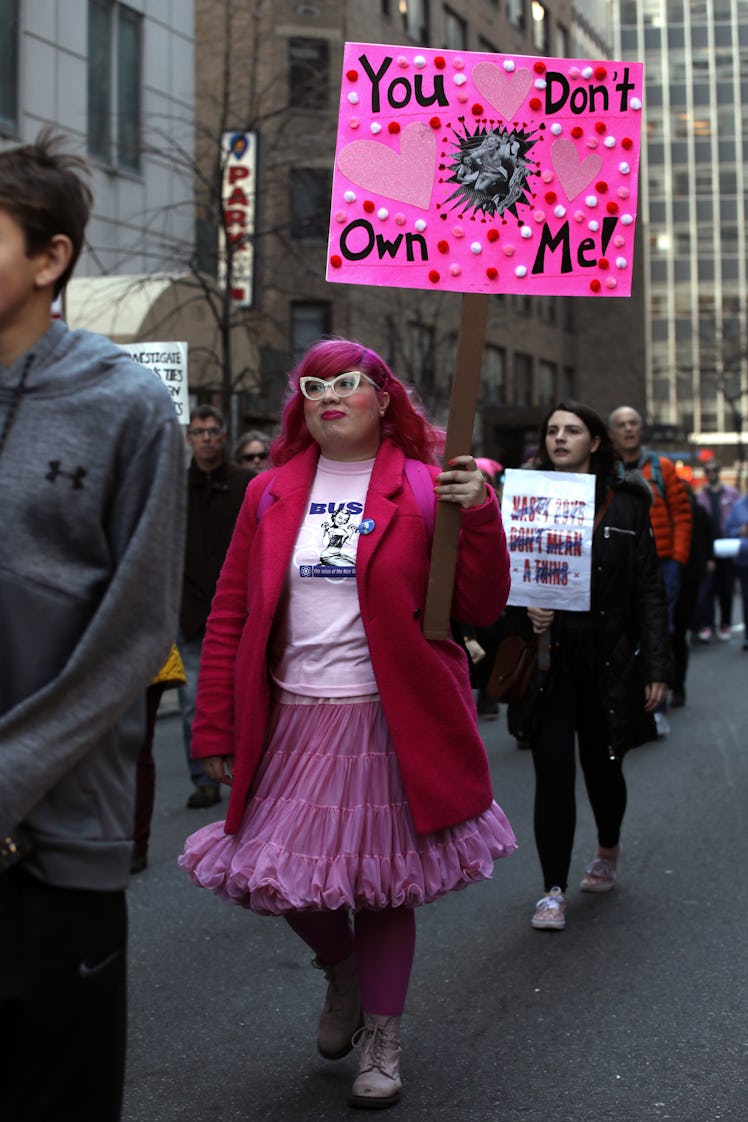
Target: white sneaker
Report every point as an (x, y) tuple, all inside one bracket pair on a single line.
[(599, 876), (704, 635), (550, 912), (663, 728), (725, 634)]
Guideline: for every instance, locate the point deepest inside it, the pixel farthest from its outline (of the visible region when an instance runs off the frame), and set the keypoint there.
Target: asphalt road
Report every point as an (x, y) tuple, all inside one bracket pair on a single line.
[(637, 1011)]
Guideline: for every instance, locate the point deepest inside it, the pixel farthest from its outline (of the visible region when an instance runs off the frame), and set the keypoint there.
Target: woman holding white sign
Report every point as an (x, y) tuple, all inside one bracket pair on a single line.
[(609, 666), (359, 783)]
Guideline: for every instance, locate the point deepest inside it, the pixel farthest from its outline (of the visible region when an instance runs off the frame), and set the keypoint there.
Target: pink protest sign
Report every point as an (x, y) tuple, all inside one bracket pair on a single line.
[(469, 172)]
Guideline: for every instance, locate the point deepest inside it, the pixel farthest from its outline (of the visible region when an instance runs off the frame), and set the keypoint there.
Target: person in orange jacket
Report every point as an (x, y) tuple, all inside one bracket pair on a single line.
[(670, 514)]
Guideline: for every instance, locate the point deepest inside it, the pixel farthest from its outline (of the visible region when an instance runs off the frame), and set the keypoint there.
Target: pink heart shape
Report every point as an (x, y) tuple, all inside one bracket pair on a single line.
[(406, 176), (573, 174), (506, 92)]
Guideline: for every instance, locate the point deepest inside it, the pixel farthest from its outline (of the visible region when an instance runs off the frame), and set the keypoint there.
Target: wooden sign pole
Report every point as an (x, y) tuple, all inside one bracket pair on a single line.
[(462, 407)]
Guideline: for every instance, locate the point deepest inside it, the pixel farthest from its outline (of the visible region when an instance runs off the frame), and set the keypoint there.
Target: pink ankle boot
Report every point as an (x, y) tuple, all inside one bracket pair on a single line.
[(377, 1084), (341, 1013)]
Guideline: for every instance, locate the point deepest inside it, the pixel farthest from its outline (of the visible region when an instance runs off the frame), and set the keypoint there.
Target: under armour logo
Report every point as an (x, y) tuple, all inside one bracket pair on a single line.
[(76, 477)]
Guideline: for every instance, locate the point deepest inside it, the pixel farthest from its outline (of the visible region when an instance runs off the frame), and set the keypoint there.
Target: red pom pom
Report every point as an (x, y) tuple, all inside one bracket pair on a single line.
[(336, 261), (433, 276), (369, 206), (603, 263), (535, 103), (435, 123), (600, 72), (440, 62), (443, 246), (352, 75), (611, 207), (492, 273), (595, 285), (539, 67), (393, 126), (601, 187), (493, 235), (550, 197), (477, 110), (600, 126), (627, 142), (577, 131)]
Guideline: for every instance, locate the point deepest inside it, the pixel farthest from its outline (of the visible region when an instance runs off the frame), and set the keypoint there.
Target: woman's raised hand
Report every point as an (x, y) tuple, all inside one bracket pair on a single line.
[(541, 619), (461, 483)]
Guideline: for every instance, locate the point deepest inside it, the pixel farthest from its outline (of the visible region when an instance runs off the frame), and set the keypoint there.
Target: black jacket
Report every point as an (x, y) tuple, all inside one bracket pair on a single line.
[(623, 638), (213, 502)]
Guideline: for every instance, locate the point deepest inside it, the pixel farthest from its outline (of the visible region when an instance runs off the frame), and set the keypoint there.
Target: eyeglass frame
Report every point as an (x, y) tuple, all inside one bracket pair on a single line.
[(330, 384), (247, 456), (212, 434)]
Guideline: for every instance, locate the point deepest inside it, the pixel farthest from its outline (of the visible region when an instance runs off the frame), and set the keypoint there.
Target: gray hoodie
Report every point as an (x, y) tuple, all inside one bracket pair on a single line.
[(91, 549)]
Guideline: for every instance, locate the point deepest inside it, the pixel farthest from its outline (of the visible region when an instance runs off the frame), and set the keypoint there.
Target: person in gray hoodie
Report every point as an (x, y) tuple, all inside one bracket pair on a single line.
[(91, 479)]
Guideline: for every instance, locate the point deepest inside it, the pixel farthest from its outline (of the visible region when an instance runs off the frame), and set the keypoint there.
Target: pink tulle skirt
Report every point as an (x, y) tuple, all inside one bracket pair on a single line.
[(327, 824)]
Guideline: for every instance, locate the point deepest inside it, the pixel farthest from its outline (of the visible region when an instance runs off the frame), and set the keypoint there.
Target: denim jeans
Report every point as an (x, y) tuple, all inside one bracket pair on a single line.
[(190, 651), (670, 570)]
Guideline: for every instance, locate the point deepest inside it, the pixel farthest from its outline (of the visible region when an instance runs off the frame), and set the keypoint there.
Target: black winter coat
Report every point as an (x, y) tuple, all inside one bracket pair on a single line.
[(626, 625), (214, 499)]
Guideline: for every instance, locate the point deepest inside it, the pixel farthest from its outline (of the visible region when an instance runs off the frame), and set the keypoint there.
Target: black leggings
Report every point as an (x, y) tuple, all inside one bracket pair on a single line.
[(574, 708)]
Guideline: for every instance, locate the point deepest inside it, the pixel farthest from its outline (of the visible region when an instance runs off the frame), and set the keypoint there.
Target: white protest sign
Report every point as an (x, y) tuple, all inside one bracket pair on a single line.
[(549, 518), (168, 361)]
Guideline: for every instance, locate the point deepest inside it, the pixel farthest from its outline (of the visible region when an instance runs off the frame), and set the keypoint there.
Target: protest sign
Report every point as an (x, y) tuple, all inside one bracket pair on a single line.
[(168, 361), (549, 518), (471, 172)]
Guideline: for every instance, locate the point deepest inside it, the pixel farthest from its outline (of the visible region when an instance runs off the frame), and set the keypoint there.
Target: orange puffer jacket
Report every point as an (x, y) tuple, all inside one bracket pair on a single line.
[(671, 512)]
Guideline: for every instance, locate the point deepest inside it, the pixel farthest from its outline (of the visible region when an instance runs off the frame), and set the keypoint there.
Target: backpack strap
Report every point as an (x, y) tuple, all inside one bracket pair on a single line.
[(422, 486), (265, 500), (654, 462)]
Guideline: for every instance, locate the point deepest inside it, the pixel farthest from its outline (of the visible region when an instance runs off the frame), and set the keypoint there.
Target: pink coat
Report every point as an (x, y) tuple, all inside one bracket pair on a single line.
[(424, 685)]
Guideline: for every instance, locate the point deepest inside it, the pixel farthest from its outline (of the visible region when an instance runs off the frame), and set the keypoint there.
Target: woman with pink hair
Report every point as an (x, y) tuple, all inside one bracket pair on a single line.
[(359, 784)]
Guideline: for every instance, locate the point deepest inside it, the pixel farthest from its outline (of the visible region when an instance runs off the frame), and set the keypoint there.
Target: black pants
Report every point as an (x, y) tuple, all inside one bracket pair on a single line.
[(573, 708), (62, 1002)]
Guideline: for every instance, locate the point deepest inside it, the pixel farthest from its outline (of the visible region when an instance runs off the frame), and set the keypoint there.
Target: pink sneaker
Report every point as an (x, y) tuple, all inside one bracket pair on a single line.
[(550, 912), (599, 876)]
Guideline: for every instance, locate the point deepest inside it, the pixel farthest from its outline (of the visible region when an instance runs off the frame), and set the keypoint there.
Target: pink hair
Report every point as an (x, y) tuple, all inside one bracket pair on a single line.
[(404, 423)]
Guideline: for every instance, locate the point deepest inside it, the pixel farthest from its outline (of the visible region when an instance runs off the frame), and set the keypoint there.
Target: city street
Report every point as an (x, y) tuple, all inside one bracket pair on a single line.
[(637, 1011)]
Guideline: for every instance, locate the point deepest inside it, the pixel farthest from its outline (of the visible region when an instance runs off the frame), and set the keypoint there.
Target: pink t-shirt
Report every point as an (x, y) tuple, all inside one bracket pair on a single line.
[(319, 647)]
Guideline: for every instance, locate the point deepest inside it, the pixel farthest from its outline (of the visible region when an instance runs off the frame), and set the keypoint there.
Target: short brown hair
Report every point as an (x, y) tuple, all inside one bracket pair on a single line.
[(43, 189)]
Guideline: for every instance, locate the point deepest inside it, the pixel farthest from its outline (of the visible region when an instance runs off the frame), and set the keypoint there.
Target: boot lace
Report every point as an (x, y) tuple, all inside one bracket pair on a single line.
[(380, 1047)]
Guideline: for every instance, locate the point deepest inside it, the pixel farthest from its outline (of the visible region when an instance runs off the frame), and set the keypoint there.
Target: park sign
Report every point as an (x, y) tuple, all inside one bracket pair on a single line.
[(236, 232), (485, 173)]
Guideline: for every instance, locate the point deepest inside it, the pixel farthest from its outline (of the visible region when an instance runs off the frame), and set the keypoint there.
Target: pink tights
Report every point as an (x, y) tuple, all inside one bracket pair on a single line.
[(384, 942)]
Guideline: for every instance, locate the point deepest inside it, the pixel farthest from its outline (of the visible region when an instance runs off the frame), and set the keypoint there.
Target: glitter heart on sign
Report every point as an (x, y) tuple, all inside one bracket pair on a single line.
[(506, 92), (573, 174), (406, 176)]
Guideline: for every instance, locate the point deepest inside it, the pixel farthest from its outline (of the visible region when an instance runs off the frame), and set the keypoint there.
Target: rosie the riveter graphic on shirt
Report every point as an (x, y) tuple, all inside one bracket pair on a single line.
[(327, 542), (336, 542)]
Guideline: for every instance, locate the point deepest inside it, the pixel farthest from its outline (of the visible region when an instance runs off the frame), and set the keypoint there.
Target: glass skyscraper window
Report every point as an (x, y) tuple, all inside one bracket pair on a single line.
[(692, 205)]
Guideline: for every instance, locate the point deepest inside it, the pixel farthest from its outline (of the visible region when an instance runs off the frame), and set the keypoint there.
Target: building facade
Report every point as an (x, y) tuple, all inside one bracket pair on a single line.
[(273, 69), (118, 79), (694, 204)]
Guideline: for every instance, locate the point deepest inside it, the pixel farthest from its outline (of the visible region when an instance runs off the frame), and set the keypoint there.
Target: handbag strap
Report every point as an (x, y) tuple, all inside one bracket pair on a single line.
[(603, 508)]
